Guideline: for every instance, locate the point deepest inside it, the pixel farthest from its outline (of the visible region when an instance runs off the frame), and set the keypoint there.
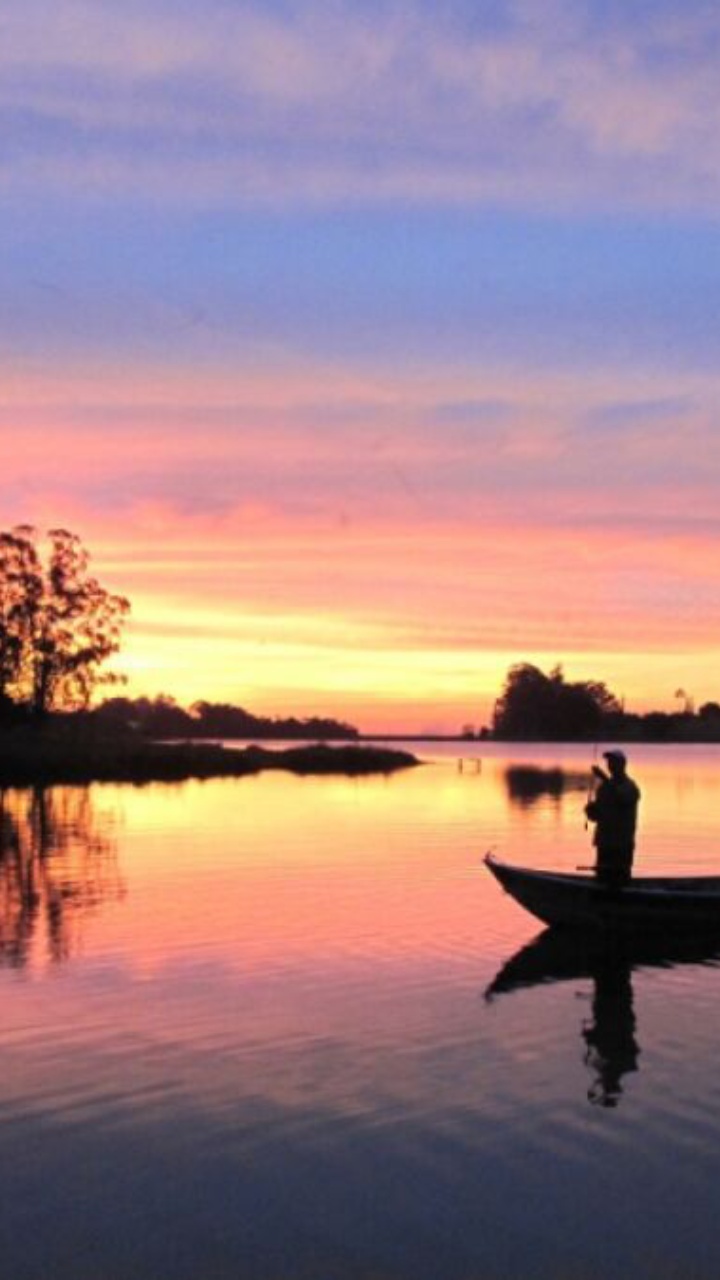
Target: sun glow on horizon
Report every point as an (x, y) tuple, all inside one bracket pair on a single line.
[(380, 593)]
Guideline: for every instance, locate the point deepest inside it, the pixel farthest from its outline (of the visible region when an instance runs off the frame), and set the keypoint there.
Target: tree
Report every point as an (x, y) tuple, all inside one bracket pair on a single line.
[(58, 625), (535, 705), (159, 717), (688, 704), (20, 593)]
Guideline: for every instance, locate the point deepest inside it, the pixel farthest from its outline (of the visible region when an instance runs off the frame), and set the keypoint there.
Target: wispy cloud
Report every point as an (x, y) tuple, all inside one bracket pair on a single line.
[(630, 413), (551, 452), (559, 106)]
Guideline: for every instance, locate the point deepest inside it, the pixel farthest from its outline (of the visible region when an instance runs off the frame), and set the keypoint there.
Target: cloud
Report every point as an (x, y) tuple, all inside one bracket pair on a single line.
[(473, 413), (341, 103), (310, 447), (629, 413)]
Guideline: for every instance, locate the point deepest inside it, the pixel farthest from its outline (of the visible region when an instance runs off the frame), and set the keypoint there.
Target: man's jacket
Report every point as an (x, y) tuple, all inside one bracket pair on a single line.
[(614, 811)]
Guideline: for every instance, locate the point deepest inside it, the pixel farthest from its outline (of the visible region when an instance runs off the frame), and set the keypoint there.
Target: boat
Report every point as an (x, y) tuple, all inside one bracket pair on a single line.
[(670, 904)]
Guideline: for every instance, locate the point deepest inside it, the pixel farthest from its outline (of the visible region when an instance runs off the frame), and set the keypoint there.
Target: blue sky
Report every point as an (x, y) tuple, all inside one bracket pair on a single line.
[(367, 284)]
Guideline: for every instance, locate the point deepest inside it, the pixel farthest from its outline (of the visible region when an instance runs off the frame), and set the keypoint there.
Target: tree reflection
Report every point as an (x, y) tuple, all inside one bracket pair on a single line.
[(611, 1048), (58, 863), (527, 784)]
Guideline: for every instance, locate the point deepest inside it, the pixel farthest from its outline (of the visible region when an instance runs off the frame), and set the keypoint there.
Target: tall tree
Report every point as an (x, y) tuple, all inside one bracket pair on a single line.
[(21, 588), (58, 625), (535, 705)]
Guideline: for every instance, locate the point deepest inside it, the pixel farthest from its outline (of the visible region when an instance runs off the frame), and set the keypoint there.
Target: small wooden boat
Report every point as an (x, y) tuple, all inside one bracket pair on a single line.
[(673, 904)]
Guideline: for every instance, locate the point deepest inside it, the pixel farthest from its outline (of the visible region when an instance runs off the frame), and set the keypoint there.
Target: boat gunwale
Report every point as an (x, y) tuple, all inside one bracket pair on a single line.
[(691, 888)]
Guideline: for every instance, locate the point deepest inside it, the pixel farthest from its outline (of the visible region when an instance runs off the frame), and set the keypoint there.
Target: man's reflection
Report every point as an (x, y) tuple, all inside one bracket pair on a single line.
[(57, 863), (611, 1049)]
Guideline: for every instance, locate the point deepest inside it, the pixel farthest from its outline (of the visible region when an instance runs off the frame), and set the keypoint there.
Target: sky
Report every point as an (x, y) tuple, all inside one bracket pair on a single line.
[(371, 348)]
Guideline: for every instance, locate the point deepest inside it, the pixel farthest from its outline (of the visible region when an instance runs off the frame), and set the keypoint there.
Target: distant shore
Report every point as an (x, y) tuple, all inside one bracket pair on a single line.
[(42, 758)]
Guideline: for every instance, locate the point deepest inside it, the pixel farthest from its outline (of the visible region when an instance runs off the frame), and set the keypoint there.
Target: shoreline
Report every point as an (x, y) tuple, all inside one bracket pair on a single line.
[(50, 758)]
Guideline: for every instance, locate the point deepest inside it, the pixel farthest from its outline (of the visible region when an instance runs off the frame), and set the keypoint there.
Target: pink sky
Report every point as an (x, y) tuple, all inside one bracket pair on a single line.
[(328, 540)]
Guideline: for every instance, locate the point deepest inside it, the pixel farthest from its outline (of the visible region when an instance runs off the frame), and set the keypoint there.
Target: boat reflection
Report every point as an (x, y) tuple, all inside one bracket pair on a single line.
[(611, 1048), (58, 863)]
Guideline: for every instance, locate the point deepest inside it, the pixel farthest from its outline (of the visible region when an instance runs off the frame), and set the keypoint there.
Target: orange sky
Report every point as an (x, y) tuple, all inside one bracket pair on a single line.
[(387, 563)]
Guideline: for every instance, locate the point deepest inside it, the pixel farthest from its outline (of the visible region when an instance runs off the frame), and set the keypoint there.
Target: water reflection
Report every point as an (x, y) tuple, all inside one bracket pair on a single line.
[(611, 1049), (58, 863), (527, 783)]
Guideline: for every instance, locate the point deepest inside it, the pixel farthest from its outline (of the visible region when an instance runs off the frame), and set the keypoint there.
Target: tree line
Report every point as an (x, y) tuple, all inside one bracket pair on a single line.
[(163, 717), (539, 706)]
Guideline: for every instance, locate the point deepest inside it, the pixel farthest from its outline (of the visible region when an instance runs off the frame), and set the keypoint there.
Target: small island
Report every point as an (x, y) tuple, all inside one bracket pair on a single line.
[(65, 753)]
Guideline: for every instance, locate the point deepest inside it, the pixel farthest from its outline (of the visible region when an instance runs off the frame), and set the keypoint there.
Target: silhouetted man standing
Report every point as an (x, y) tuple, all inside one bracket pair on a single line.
[(614, 812)]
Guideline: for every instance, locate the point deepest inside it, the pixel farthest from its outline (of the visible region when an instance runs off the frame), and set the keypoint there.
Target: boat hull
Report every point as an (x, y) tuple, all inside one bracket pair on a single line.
[(688, 904)]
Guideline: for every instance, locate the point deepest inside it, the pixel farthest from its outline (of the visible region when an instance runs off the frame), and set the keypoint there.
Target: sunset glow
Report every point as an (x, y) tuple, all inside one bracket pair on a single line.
[(370, 351)]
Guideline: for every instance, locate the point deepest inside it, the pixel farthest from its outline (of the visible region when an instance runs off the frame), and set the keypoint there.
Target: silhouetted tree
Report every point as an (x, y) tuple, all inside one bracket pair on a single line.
[(58, 625), (159, 717), (535, 705), (20, 594)]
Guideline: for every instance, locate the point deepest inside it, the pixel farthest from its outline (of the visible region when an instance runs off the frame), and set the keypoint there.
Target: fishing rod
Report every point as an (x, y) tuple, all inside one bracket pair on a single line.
[(592, 782), (589, 799)]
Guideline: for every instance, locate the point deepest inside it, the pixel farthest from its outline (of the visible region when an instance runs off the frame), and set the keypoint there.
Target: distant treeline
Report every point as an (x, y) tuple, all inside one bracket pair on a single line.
[(163, 717), (535, 706)]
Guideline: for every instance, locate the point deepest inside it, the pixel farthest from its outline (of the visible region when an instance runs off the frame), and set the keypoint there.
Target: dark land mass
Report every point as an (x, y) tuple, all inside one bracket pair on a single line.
[(57, 753), (533, 707), (655, 728), (163, 717)]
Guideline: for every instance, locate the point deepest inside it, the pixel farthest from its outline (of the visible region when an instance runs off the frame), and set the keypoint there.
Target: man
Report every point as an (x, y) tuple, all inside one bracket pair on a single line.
[(614, 812)]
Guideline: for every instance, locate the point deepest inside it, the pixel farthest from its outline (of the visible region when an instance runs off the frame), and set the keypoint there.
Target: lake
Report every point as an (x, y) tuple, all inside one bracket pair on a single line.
[(279, 1028)]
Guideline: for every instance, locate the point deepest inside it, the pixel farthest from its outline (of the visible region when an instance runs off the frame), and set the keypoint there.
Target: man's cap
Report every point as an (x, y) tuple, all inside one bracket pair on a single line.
[(614, 753)]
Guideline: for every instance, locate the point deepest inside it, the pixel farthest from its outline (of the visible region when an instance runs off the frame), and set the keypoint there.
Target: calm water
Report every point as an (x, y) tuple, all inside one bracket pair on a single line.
[(278, 1027)]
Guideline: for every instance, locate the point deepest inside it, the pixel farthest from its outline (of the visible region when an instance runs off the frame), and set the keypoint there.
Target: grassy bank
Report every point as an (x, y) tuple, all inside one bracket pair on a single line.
[(32, 756)]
